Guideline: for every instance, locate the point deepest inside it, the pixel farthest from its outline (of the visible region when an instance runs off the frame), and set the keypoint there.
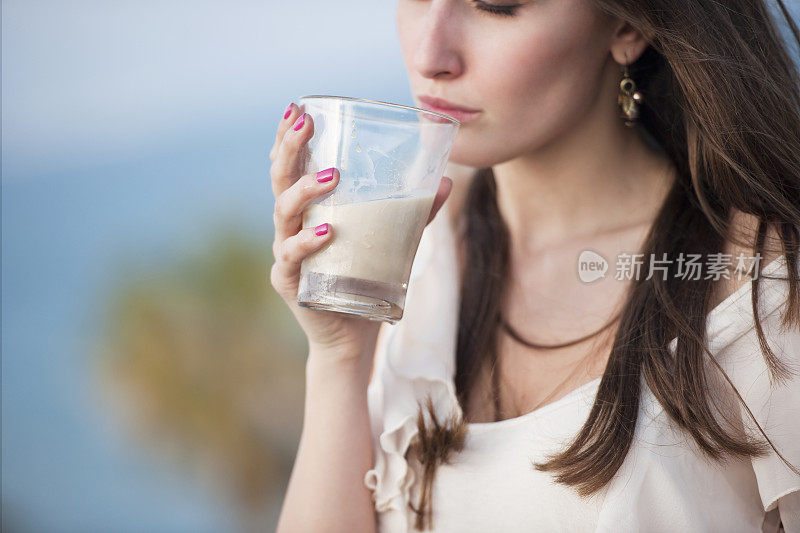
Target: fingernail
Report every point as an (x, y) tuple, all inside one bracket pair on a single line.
[(299, 122), (322, 229), (288, 111), (325, 175)]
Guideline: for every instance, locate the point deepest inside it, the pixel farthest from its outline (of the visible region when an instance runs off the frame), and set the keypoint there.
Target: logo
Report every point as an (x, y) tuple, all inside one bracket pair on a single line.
[(591, 266)]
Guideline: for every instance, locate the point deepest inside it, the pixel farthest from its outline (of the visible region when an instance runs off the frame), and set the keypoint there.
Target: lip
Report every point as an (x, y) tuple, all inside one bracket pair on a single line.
[(440, 105)]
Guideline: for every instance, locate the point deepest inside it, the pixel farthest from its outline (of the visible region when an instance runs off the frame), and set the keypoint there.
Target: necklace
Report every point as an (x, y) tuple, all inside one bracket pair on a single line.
[(517, 337)]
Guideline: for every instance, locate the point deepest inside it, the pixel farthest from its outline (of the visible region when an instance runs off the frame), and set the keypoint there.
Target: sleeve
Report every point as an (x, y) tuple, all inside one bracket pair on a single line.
[(393, 428), (789, 507), (414, 358), (774, 403), (777, 408)]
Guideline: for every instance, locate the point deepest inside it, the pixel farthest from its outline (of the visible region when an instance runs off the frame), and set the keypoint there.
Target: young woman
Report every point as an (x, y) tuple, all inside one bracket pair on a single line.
[(536, 382)]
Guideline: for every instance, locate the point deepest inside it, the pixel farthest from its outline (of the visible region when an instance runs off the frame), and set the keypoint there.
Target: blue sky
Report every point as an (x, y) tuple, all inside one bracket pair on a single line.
[(85, 81)]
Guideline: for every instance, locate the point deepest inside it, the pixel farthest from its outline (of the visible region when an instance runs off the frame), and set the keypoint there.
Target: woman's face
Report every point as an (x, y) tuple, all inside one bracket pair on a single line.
[(532, 75)]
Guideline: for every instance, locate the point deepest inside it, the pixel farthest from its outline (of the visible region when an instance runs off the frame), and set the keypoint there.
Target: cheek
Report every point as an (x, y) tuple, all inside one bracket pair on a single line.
[(532, 86)]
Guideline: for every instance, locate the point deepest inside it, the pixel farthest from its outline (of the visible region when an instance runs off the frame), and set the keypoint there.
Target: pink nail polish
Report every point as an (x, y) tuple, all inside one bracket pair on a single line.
[(322, 229), (287, 112), (325, 175), (299, 122)]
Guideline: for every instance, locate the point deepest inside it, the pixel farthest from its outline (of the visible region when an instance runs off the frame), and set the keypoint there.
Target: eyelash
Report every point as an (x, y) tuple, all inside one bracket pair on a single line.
[(502, 11)]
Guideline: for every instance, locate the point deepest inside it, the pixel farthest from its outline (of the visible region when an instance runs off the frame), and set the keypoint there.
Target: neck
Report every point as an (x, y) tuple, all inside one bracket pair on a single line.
[(599, 177)]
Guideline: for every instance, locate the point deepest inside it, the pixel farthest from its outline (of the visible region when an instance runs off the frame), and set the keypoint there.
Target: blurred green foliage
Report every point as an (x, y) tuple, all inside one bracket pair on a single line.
[(205, 362)]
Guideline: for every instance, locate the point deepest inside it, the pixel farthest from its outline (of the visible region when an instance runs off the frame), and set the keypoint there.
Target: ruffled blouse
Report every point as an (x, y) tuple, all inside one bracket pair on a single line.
[(664, 484)]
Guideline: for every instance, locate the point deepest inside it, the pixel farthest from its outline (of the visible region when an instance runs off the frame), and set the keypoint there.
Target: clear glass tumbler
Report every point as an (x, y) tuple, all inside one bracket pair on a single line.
[(391, 159)]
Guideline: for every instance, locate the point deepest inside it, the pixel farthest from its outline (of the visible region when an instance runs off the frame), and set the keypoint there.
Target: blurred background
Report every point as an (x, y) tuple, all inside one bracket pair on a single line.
[(151, 379)]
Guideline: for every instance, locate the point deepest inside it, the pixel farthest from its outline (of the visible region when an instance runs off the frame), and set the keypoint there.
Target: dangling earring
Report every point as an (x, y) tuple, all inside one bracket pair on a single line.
[(628, 98)]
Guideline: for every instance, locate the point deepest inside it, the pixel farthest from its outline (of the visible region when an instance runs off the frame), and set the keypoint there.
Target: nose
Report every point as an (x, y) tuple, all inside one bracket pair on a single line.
[(437, 55)]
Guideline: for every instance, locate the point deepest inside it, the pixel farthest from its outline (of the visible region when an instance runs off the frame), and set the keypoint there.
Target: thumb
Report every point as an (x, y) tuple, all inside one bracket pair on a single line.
[(445, 186)]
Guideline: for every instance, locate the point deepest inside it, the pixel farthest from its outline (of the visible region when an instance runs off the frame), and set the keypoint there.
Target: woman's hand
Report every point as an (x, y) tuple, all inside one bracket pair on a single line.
[(327, 331)]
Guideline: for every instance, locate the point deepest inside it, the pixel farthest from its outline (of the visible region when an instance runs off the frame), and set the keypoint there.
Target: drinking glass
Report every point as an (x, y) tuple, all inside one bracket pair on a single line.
[(391, 159)]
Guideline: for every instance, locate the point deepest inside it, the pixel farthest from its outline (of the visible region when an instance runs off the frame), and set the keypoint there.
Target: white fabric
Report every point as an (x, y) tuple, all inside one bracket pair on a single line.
[(665, 484)]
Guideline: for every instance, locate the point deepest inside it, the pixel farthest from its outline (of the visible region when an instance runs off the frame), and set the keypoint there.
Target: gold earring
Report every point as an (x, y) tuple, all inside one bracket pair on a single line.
[(628, 98)]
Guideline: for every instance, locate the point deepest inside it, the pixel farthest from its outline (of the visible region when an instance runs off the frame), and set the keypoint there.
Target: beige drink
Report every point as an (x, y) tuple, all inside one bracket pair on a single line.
[(371, 251)]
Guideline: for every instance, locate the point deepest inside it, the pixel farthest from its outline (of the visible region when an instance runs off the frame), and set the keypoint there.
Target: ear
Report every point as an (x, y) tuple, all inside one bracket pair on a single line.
[(627, 43)]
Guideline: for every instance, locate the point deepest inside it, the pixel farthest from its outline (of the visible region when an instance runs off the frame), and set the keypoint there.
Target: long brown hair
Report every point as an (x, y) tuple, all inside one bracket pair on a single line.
[(722, 98)]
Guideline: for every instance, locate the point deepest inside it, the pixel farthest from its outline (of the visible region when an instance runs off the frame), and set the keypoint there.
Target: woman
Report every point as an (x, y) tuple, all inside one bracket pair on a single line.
[(515, 394)]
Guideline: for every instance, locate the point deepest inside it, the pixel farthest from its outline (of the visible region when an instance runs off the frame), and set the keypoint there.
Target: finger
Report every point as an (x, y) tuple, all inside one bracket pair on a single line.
[(286, 168), (445, 186), (290, 204), (289, 116), (285, 272)]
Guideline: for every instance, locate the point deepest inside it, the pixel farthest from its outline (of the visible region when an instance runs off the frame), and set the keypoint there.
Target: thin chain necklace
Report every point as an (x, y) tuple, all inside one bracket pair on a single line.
[(517, 337)]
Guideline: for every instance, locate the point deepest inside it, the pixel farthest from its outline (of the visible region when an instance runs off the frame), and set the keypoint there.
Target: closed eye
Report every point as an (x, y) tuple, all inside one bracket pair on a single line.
[(495, 9)]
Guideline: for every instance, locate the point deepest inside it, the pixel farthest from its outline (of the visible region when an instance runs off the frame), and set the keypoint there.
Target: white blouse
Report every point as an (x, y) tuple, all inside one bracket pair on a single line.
[(665, 483)]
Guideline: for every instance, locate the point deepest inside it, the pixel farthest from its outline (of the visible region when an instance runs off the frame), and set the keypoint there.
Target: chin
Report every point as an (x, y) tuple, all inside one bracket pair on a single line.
[(476, 155)]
